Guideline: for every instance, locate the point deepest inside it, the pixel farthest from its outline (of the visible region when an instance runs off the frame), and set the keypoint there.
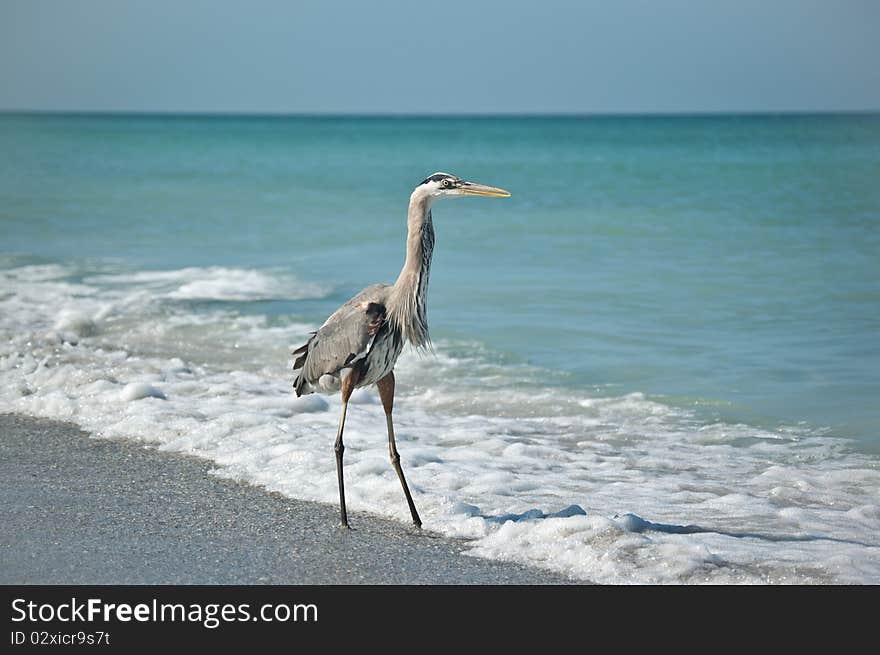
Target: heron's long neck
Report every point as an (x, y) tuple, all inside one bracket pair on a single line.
[(408, 303)]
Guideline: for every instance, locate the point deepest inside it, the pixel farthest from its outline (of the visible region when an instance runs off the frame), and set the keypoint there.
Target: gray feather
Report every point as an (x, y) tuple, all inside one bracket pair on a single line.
[(345, 337)]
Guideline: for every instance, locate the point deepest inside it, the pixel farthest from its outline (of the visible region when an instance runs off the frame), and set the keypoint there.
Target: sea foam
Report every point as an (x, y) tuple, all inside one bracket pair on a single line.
[(608, 488)]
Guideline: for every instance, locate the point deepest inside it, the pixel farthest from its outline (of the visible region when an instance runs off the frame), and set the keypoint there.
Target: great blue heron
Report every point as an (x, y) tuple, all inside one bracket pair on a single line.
[(361, 341)]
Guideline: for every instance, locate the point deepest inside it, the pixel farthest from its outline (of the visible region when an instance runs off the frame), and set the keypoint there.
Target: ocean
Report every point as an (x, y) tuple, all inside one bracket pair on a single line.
[(657, 362)]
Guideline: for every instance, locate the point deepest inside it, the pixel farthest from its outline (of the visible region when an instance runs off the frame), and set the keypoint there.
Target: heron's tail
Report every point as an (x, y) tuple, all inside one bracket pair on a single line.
[(299, 380)]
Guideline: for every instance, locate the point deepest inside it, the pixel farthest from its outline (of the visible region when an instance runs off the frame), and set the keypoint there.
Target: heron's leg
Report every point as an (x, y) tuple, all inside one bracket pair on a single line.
[(386, 393), (340, 448), (347, 387)]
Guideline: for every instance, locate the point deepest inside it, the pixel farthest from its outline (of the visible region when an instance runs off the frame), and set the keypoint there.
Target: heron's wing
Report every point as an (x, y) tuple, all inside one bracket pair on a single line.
[(344, 339)]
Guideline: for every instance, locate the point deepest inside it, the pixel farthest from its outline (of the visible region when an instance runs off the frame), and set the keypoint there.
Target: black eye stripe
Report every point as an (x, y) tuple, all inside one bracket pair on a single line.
[(438, 177)]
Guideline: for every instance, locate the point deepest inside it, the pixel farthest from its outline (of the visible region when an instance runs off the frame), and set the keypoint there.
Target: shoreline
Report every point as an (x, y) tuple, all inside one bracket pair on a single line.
[(82, 510)]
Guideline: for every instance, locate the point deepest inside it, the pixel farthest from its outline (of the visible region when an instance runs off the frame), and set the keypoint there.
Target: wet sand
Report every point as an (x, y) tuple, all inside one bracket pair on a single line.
[(79, 510)]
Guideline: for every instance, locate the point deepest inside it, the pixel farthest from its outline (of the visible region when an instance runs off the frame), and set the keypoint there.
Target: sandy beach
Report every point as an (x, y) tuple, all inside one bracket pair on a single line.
[(80, 510)]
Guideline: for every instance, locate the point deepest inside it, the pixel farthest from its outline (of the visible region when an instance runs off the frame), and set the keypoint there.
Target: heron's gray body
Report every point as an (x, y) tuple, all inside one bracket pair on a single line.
[(359, 343), (358, 334)]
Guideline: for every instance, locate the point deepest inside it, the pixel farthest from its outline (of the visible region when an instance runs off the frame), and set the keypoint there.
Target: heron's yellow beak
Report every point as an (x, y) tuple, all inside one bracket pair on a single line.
[(474, 189)]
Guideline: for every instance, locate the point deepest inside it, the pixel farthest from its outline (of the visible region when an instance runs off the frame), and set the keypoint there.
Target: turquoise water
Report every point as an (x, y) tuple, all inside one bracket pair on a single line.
[(729, 265)]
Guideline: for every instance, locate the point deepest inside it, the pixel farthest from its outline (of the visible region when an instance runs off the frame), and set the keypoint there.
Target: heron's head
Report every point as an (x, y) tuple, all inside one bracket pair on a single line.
[(444, 185)]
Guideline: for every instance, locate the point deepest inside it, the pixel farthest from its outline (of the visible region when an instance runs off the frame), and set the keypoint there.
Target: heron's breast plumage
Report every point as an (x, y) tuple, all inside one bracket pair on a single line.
[(382, 356)]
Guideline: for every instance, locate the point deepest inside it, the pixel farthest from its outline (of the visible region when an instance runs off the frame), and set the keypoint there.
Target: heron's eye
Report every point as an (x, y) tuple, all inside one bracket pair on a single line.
[(445, 183)]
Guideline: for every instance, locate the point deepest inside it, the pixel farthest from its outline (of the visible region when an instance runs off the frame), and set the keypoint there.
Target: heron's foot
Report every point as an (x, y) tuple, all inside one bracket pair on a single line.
[(343, 525)]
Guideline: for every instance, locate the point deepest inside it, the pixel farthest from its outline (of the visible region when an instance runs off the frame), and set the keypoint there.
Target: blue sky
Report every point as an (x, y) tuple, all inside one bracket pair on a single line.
[(440, 56)]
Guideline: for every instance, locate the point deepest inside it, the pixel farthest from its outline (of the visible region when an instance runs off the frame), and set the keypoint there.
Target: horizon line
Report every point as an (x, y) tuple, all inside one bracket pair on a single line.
[(470, 115)]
